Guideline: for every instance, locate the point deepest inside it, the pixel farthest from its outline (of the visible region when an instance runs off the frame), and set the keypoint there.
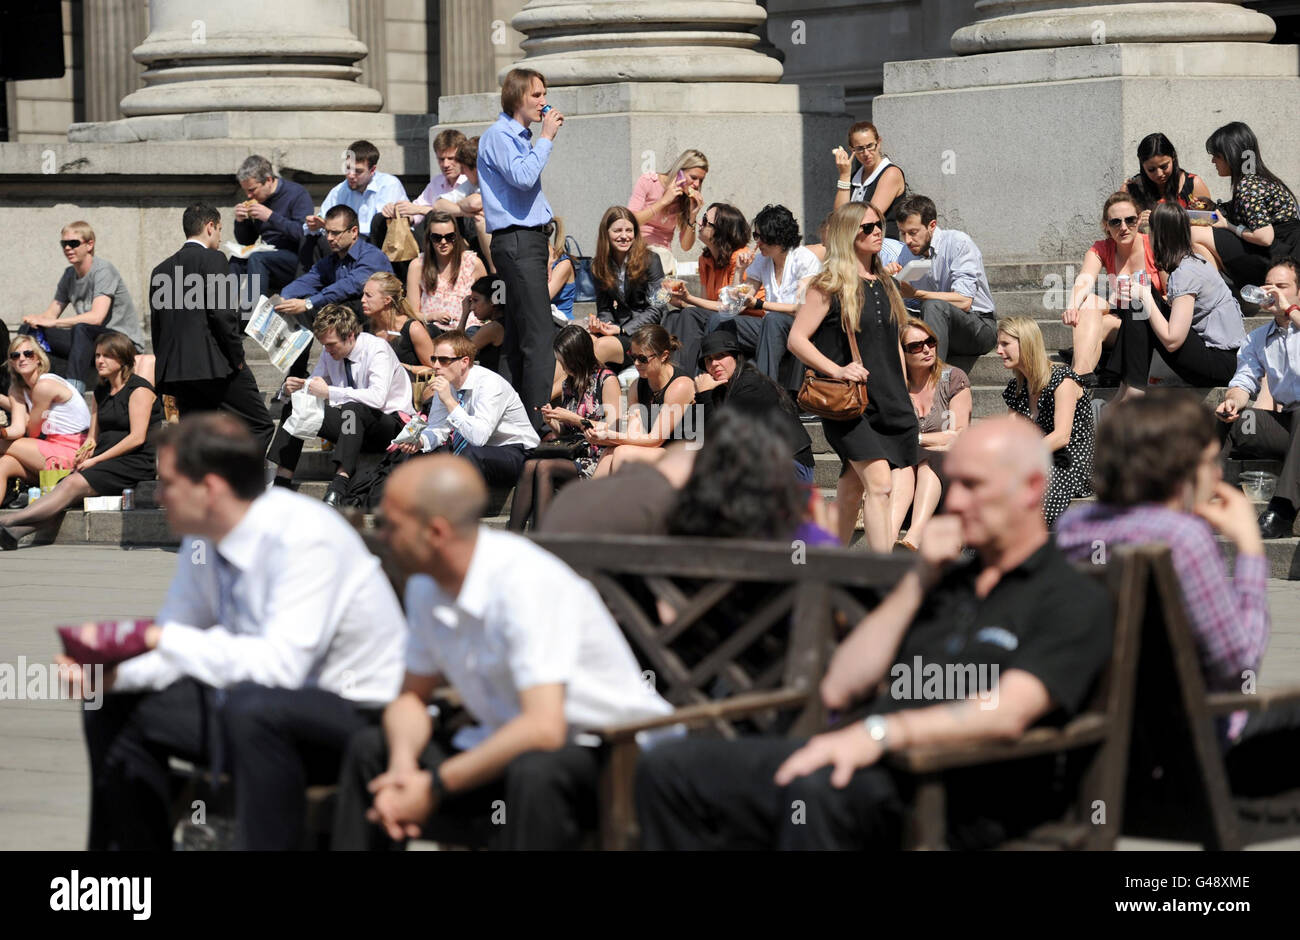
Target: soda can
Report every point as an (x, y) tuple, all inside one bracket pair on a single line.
[(128, 499)]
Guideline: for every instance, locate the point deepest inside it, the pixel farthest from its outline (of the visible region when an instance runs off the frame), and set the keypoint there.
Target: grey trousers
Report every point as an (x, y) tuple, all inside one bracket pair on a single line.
[(960, 332)]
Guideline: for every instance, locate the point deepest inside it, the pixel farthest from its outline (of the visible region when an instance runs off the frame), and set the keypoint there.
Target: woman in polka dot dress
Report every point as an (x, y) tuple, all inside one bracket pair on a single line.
[(1053, 398)]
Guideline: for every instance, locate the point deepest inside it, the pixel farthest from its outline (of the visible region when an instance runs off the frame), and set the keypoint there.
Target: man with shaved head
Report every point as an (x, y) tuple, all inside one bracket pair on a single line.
[(533, 653), (962, 650)]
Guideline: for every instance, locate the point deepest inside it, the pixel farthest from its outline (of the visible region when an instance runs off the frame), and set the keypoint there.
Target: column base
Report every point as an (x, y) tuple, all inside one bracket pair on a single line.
[(342, 127)]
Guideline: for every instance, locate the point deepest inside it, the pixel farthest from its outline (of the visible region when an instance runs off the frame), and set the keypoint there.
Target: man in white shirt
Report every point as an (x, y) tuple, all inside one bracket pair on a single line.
[(364, 189), (1271, 352), (956, 301), (532, 651), (279, 638), (445, 145), (364, 386), (475, 414)]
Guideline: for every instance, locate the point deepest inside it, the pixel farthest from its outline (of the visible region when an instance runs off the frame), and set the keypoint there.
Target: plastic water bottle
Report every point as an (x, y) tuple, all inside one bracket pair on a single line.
[(33, 494), (1257, 296)]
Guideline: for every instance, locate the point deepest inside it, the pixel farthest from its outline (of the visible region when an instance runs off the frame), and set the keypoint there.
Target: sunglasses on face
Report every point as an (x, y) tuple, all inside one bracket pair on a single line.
[(1130, 221), (449, 237), (706, 222), (928, 343), (868, 227), (640, 360), (70, 242), (446, 360), (23, 353)]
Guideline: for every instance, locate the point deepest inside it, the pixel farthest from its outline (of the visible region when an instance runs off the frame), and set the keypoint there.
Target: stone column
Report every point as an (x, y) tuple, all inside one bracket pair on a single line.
[(1042, 24), (465, 41), (367, 18), (219, 55), (111, 27), (645, 41)]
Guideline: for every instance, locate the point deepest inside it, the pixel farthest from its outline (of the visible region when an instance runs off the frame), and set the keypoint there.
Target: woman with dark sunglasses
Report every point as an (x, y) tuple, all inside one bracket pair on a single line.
[(441, 276), (941, 398)]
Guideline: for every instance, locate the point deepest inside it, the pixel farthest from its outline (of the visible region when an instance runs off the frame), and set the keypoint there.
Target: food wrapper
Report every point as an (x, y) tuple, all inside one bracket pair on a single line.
[(410, 433), (735, 298)]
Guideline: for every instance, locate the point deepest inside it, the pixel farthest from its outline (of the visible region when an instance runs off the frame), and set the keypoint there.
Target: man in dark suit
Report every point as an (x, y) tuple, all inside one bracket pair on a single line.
[(194, 319)]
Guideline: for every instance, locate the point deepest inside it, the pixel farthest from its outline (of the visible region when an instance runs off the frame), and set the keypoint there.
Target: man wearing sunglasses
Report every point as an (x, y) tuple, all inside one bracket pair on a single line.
[(97, 294), (475, 414), (955, 298)]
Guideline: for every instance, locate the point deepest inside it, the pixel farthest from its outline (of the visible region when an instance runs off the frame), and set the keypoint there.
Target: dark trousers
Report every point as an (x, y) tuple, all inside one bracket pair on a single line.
[(545, 801), (354, 428), (688, 324), (500, 466), (276, 742), (746, 329), (76, 344), (1265, 758), (521, 257), (772, 357), (1193, 361), (1243, 262), (1269, 435), (237, 394), (264, 272), (960, 332)]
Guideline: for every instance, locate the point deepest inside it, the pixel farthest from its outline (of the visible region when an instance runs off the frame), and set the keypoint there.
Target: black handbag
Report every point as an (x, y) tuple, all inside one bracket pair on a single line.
[(568, 447), (583, 282)]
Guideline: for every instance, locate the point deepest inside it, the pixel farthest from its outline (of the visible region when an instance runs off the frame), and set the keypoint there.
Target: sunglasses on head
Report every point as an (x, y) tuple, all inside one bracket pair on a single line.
[(434, 237), (24, 353), (71, 242), (868, 227), (928, 343), (1130, 221), (446, 360)]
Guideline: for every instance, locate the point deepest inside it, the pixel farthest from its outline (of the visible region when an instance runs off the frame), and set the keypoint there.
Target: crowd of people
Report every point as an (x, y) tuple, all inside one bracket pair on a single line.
[(599, 425)]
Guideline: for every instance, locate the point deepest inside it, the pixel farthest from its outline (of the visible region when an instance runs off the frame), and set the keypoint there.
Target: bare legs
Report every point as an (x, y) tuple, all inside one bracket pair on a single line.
[(1097, 326), (869, 483)]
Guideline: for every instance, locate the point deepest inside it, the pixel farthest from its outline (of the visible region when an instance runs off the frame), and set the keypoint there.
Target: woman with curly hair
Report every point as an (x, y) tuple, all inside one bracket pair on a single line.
[(628, 276)]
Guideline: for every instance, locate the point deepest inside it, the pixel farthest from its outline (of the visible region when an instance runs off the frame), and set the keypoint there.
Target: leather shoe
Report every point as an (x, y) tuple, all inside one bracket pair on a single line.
[(1275, 525), (333, 499)]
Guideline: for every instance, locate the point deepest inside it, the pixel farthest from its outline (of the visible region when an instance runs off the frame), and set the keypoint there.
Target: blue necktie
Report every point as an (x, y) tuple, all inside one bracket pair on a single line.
[(227, 576), (457, 442)]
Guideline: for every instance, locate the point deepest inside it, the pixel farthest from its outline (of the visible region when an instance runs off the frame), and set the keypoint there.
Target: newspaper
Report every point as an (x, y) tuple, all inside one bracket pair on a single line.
[(283, 341), (236, 250)]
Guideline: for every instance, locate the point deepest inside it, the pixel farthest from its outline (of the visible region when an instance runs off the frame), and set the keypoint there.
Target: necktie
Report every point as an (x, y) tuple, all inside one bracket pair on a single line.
[(456, 442), (227, 576), (347, 370)]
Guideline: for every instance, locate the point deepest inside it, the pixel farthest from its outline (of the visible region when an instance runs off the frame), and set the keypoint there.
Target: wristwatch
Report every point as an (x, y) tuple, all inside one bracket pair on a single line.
[(878, 727), (1240, 229), (307, 303), (758, 304)]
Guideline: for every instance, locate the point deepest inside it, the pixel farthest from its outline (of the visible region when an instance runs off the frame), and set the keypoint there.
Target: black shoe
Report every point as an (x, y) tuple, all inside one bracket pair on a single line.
[(1107, 379), (333, 498), (286, 482), (9, 537), (1088, 380), (1275, 525)]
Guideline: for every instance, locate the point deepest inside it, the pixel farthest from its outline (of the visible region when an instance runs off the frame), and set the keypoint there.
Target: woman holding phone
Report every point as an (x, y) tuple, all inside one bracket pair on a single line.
[(666, 204)]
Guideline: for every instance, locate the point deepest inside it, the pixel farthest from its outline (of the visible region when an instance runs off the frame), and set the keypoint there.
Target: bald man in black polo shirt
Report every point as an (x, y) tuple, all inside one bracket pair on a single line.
[(960, 651)]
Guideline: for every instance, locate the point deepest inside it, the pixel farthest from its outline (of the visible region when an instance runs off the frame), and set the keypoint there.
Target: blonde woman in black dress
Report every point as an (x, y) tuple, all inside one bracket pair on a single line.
[(853, 292)]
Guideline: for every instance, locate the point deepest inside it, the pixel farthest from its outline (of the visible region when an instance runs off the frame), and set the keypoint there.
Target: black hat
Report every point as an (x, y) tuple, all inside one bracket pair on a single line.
[(718, 343)]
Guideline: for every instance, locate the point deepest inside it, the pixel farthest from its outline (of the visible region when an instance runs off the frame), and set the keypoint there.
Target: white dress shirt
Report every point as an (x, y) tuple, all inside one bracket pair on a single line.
[(380, 380), (382, 189), (305, 605), (1273, 351), (490, 415), (523, 618), (957, 267)]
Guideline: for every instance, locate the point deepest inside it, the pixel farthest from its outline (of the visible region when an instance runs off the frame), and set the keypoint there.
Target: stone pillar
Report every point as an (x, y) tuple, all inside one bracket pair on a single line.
[(465, 41), (367, 18), (1026, 24), (111, 26), (203, 55), (1071, 89), (645, 41)]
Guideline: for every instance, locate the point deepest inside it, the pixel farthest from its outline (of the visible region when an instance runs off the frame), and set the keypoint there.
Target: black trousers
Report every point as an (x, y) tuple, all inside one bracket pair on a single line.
[(276, 742), (264, 272), (500, 466), (1269, 435), (1193, 362), (1243, 262), (354, 428), (237, 394), (76, 344), (521, 257), (545, 801), (1265, 758)]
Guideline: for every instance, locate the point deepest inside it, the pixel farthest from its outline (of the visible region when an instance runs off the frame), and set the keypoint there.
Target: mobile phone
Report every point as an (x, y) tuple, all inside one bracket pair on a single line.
[(587, 425), (681, 177)]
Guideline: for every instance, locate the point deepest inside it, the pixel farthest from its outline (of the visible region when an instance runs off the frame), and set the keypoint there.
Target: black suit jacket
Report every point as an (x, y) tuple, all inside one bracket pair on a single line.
[(633, 307), (194, 317)]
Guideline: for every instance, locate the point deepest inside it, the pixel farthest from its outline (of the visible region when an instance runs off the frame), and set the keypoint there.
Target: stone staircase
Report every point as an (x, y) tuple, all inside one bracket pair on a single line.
[(1035, 290)]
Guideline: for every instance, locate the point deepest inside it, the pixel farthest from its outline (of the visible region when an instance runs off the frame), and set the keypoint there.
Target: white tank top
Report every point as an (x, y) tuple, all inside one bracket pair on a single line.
[(68, 417)]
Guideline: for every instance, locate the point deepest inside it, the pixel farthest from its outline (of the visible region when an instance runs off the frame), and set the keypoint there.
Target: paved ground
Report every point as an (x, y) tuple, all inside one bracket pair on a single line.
[(43, 777)]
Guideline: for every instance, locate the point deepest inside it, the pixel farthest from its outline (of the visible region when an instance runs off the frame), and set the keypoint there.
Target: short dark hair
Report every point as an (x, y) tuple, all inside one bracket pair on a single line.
[(196, 216), (489, 286), (1290, 264), (917, 205), (1148, 447), (467, 154), (217, 443), (363, 151), (776, 226), (345, 213)]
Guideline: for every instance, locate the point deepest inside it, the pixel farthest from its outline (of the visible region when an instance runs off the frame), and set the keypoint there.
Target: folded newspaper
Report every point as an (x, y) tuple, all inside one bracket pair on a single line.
[(283, 341), (236, 250)]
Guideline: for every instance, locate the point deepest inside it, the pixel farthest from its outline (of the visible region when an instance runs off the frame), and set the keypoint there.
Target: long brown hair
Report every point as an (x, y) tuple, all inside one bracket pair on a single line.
[(603, 268), (429, 280), (839, 276)]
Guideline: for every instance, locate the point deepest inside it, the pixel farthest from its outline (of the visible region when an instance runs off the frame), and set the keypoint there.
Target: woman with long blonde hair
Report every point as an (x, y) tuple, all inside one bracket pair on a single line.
[(666, 204), (1053, 398), (854, 294), (383, 301)]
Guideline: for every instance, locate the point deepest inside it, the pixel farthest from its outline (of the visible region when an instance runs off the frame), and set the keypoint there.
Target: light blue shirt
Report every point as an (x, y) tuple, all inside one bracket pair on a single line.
[(383, 189), (1273, 351), (893, 251), (510, 175), (958, 268)]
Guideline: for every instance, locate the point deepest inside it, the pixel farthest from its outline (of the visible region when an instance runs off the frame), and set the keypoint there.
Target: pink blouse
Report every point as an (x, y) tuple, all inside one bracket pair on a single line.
[(443, 307), (659, 229)]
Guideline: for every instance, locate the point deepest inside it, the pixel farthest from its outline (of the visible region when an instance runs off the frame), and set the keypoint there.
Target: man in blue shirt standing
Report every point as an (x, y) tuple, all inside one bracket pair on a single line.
[(510, 176)]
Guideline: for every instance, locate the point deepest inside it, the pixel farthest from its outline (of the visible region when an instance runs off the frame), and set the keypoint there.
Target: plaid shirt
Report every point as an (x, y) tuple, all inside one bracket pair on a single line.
[(1230, 620)]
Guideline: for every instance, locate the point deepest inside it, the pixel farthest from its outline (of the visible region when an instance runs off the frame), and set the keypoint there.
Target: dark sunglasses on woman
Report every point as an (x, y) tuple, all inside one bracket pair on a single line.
[(24, 353), (869, 227), (928, 343), (1130, 221), (434, 237)]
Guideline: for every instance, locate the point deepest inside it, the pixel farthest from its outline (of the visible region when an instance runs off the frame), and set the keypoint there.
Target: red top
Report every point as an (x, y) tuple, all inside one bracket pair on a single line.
[(1106, 248)]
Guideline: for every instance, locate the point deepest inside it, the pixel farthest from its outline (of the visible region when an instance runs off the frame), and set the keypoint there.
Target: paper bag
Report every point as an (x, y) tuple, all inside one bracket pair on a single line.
[(399, 243), (305, 419)]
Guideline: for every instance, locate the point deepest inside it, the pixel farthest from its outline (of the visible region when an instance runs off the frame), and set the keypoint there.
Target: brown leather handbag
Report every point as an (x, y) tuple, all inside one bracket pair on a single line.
[(834, 399)]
